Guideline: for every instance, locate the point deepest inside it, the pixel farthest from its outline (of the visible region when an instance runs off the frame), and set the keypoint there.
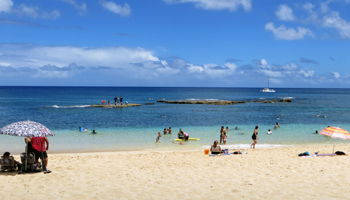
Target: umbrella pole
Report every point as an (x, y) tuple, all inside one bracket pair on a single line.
[(333, 146), (42, 156), (25, 160)]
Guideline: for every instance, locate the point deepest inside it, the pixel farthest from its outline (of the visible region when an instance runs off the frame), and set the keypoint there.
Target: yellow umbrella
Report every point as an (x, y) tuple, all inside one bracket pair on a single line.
[(336, 132)]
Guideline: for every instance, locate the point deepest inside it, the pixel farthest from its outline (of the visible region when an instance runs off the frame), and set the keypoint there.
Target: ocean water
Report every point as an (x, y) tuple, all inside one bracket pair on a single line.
[(63, 110)]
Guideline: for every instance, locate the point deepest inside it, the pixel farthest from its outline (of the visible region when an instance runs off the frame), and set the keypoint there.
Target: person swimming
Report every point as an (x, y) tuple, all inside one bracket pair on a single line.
[(82, 129), (94, 132)]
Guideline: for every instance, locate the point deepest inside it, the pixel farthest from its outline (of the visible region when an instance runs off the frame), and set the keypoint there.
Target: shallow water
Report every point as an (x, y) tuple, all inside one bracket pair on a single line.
[(62, 110)]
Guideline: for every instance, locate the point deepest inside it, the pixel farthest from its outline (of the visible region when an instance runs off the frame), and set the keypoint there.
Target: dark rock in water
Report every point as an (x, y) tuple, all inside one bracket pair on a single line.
[(214, 102), (149, 103), (286, 100), (272, 101), (265, 101)]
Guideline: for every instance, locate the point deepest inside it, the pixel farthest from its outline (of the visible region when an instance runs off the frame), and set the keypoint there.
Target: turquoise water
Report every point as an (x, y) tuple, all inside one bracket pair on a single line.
[(62, 110)]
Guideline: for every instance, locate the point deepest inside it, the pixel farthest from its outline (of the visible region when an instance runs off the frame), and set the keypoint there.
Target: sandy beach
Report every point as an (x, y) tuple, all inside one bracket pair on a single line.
[(260, 174)]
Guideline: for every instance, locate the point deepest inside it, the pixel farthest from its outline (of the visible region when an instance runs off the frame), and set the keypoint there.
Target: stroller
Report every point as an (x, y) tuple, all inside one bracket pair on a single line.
[(8, 163)]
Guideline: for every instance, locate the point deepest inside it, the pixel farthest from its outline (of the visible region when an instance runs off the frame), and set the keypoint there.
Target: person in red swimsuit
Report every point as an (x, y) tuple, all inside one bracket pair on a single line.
[(37, 143)]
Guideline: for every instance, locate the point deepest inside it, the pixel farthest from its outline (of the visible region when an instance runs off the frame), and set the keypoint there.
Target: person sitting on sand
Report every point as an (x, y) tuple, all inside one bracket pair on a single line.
[(215, 148), (158, 137), (7, 156), (269, 132)]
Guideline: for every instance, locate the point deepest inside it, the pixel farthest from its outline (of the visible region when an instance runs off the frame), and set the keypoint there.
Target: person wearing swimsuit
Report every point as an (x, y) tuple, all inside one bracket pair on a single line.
[(222, 132), (215, 148), (158, 137), (255, 137)]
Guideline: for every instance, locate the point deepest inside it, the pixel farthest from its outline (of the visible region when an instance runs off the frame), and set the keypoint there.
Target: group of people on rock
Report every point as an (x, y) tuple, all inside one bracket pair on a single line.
[(117, 99)]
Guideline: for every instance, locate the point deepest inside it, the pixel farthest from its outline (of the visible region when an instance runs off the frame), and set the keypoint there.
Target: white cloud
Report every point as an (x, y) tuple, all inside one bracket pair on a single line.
[(230, 5), (5, 6), (33, 12), (288, 34), (82, 7), (290, 67), (264, 64), (33, 56), (336, 75), (123, 11), (308, 6), (195, 68), (309, 73), (212, 70), (333, 20), (285, 13)]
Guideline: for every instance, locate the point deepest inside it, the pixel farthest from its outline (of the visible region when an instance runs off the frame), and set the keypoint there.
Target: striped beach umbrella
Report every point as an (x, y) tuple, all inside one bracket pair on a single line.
[(336, 132)]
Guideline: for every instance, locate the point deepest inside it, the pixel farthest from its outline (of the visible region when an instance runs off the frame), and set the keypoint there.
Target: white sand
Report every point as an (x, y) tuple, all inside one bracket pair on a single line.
[(261, 174)]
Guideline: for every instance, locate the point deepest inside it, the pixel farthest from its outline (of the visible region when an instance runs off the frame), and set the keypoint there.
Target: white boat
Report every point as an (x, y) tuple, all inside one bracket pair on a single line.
[(267, 90), (268, 85)]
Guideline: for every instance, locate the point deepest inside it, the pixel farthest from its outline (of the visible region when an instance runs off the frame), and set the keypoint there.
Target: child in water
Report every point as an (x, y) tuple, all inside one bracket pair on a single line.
[(224, 137), (158, 137)]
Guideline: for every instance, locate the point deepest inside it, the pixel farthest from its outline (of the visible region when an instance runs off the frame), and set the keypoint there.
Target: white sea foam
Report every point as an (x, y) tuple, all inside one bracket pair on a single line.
[(76, 106), (203, 99), (286, 97)]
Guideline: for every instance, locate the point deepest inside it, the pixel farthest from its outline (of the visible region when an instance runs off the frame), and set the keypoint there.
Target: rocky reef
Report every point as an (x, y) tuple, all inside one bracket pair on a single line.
[(273, 100)]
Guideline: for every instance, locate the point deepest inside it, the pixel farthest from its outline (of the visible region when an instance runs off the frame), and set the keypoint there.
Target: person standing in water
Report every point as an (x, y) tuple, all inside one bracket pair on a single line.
[(158, 137), (222, 131), (255, 137), (169, 130)]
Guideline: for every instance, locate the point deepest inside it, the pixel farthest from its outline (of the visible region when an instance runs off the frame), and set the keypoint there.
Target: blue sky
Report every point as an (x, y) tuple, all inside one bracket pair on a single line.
[(200, 43)]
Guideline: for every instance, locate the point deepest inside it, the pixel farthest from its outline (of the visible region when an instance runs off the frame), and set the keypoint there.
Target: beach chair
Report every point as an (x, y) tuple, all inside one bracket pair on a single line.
[(8, 163), (28, 162)]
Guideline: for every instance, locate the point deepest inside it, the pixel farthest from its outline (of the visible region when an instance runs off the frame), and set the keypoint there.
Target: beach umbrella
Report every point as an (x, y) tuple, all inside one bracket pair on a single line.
[(335, 132), (27, 129)]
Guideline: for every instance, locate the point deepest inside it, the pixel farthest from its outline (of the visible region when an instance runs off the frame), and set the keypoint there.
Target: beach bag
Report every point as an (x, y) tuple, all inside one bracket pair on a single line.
[(339, 153)]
